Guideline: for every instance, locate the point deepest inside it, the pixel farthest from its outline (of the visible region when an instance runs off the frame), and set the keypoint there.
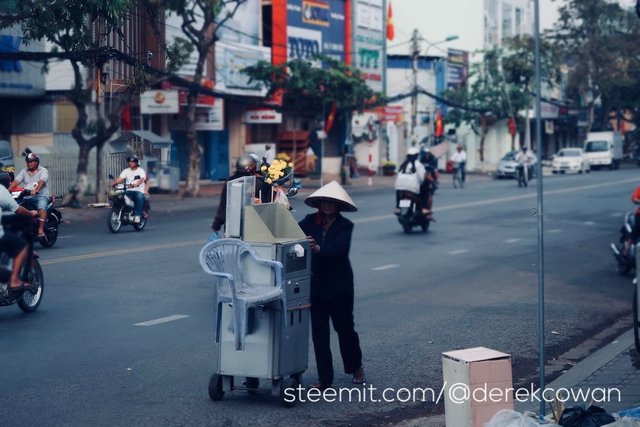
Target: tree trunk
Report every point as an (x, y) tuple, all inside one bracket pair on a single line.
[(195, 150), (75, 196), (101, 194)]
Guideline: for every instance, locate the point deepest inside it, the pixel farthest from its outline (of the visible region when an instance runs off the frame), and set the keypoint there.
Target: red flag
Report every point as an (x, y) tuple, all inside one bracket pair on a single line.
[(439, 125), (332, 115), (391, 32), (512, 126), (126, 118)]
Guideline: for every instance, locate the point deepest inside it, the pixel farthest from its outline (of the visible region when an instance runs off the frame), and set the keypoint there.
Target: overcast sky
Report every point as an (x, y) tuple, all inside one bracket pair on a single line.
[(438, 19)]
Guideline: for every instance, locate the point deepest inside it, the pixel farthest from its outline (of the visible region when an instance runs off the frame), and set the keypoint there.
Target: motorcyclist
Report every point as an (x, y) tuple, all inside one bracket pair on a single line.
[(635, 233), (412, 166), (10, 242), (526, 158), (34, 178), (135, 179), (430, 184)]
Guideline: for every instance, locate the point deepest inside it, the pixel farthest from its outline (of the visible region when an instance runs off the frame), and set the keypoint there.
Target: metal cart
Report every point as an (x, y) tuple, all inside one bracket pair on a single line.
[(273, 343)]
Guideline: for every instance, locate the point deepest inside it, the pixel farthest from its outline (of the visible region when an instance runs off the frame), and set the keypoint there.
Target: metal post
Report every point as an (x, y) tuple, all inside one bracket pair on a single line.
[(415, 51), (540, 210)]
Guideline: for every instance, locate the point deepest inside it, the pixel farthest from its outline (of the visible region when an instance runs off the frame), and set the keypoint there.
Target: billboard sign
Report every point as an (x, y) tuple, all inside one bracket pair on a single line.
[(315, 26), (457, 68), (159, 102), (20, 78), (369, 39)]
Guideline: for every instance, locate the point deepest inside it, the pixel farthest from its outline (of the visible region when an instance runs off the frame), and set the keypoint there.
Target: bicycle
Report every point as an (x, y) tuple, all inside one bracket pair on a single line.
[(457, 177)]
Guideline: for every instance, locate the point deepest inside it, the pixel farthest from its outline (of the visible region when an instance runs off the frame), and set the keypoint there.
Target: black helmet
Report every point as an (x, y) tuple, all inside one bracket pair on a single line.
[(5, 179), (32, 157), (133, 158), (246, 164)]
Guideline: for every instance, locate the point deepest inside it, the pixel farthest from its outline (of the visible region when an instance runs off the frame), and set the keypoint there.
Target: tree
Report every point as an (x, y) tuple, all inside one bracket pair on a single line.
[(518, 69), (308, 88), (200, 22), (486, 98), (70, 26), (599, 41)]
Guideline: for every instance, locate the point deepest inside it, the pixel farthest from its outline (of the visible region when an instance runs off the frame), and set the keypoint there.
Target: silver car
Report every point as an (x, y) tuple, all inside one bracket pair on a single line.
[(507, 166)]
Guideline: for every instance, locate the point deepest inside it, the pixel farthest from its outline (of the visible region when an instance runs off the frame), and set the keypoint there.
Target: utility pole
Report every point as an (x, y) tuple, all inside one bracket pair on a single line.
[(415, 52)]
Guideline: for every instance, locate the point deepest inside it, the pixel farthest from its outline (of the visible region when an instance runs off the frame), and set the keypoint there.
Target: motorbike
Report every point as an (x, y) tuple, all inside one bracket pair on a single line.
[(410, 214), (122, 209), (521, 177), (22, 196), (28, 299), (626, 260)]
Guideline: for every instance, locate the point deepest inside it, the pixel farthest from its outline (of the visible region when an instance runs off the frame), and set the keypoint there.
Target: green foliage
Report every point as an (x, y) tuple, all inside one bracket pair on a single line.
[(307, 87), (599, 42)]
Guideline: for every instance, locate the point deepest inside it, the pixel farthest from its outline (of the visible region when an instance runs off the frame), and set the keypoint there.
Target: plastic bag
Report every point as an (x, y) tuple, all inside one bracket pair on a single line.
[(632, 412), (213, 237), (509, 418), (408, 182), (625, 422), (577, 416)]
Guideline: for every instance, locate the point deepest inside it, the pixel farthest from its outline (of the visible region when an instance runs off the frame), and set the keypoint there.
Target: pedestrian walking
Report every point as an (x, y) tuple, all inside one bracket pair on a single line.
[(332, 293)]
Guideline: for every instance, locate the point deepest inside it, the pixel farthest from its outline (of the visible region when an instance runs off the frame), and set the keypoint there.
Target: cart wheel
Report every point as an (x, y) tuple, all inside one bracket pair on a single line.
[(215, 387), (289, 399)]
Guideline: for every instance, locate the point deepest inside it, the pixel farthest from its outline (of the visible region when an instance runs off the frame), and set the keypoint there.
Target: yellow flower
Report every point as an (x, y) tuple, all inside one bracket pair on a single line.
[(263, 168)]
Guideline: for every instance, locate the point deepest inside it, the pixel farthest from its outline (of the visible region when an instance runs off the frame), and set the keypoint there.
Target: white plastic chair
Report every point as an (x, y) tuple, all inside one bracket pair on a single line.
[(224, 259)]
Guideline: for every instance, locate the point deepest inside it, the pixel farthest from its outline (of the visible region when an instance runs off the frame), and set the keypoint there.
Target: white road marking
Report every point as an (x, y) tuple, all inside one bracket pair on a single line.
[(162, 320), (512, 240), (589, 223), (617, 214), (555, 230), (386, 267), (458, 252), (65, 237)]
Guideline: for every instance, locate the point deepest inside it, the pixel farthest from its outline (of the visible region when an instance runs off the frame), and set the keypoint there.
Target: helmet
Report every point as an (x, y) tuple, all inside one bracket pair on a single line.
[(246, 164), (32, 157), (256, 158), (413, 151), (524, 148), (133, 158)]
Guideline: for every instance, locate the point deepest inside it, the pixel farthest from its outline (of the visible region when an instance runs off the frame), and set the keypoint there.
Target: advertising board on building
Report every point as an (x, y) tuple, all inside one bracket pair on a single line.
[(369, 38), (159, 102), (20, 78), (262, 116), (315, 26), (211, 118), (231, 59), (457, 68)]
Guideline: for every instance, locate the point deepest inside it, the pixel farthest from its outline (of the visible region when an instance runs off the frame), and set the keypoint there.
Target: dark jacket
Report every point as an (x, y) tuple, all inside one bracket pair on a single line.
[(332, 276)]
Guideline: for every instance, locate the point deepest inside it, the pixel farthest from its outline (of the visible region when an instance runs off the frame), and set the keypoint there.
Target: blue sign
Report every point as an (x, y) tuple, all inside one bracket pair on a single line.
[(10, 44), (316, 26)]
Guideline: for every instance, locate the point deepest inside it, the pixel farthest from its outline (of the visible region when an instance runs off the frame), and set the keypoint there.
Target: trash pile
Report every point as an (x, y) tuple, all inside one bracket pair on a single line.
[(575, 416)]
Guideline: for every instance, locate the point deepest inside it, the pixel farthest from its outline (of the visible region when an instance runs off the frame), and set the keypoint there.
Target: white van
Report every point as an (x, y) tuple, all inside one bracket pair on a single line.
[(604, 149)]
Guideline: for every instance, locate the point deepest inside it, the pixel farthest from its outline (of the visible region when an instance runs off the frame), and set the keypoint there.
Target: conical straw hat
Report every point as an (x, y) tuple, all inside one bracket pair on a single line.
[(331, 192)]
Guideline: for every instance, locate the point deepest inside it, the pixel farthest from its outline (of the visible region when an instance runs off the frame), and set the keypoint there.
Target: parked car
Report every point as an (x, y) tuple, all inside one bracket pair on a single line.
[(570, 160), (507, 165)]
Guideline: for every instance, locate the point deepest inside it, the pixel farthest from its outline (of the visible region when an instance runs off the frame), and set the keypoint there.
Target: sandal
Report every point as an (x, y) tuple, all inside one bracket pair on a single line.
[(319, 386), (359, 377)]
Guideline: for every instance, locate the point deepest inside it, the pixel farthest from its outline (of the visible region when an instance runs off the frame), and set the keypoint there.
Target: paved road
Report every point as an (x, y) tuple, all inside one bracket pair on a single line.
[(84, 358)]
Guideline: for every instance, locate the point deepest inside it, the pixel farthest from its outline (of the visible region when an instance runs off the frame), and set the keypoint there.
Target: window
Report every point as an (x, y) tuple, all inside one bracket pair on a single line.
[(507, 21), (518, 21), (66, 117)]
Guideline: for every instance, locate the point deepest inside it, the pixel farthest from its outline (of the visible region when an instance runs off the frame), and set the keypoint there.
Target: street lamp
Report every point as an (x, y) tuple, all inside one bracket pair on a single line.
[(415, 52)]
